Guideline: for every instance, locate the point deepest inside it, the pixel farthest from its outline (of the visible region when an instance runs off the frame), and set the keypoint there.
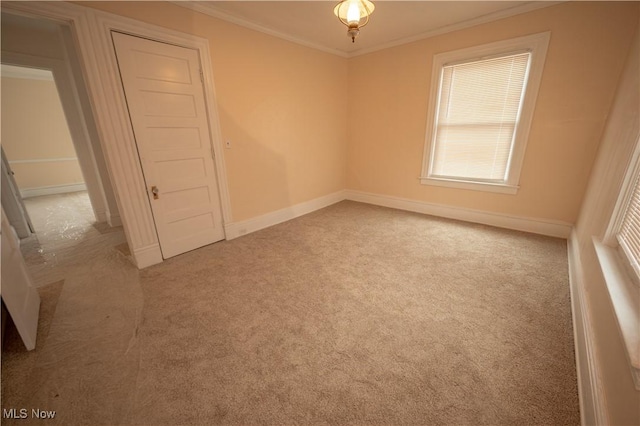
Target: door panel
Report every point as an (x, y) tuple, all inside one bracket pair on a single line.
[(166, 104), (161, 138), (18, 293), (162, 68)]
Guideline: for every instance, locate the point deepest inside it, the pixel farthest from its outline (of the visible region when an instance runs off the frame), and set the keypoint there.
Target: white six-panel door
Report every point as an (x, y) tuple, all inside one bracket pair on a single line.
[(165, 97)]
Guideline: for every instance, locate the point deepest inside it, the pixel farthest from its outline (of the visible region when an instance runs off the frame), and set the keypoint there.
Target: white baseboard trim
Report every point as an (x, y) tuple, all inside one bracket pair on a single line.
[(592, 404), (536, 226), (147, 256), (101, 216), (114, 220), (51, 190), (237, 229)]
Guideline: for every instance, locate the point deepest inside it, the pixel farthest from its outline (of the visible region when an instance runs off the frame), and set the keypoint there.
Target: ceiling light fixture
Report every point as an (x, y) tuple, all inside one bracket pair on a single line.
[(354, 14)]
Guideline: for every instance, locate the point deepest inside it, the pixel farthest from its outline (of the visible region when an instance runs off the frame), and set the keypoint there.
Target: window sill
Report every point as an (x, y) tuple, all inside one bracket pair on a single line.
[(624, 298), (473, 186)]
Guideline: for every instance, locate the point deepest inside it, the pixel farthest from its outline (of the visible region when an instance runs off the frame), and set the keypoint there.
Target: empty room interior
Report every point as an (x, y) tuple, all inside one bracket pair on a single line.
[(314, 212)]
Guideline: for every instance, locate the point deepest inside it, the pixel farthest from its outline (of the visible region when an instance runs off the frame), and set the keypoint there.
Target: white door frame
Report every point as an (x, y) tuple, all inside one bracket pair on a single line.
[(92, 32), (178, 166)]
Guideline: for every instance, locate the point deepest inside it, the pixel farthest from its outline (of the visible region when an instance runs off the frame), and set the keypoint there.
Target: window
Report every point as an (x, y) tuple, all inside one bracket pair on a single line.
[(618, 255), (629, 234), (624, 228), (480, 114)]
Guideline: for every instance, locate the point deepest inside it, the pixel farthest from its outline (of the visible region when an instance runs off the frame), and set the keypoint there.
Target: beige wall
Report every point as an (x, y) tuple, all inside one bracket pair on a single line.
[(390, 89), (282, 106), (616, 148), (33, 129), (295, 136)]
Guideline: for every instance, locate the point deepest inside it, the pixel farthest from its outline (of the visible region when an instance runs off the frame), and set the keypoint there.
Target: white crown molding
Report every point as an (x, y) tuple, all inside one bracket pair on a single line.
[(12, 71), (208, 8), (501, 14)]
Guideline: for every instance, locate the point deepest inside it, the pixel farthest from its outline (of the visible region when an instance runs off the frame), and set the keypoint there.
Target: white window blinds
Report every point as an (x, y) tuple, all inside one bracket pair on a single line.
[(629, 234), (477, 116)]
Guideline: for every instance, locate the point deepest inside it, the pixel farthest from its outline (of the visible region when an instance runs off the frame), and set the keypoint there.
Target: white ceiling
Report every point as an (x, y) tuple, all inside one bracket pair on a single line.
[(312, 23)]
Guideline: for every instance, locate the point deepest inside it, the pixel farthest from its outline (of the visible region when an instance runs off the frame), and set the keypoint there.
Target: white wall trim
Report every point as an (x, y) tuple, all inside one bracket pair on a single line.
[(113, 219), (537, 226), (237, 229), (593, 409), (147, 256), (43, 160), (26, 73), (51, 190)]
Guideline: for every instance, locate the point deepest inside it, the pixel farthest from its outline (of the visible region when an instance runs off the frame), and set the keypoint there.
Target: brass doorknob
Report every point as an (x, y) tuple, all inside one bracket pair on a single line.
[(155, 192)]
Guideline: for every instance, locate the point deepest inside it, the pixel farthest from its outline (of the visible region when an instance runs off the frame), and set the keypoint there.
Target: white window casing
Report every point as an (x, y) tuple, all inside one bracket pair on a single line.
[(497, 115), (619, 256), (629, 234), (625, 226)]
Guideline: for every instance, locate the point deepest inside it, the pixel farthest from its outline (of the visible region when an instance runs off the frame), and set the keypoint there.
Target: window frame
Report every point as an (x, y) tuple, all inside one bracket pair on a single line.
[(617, 217), (537, 45), (621, 279)]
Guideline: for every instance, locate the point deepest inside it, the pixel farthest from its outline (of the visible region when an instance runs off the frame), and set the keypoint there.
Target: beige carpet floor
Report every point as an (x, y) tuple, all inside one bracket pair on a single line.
[(354, 314)]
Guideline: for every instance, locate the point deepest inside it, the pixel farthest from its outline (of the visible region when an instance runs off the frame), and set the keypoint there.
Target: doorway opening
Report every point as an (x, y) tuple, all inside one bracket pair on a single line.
[(44, 173), (52, 155), (37, 145)]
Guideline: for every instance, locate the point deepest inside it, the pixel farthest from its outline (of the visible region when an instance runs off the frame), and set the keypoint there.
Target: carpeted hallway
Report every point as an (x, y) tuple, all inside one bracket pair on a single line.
[(354, 314)]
